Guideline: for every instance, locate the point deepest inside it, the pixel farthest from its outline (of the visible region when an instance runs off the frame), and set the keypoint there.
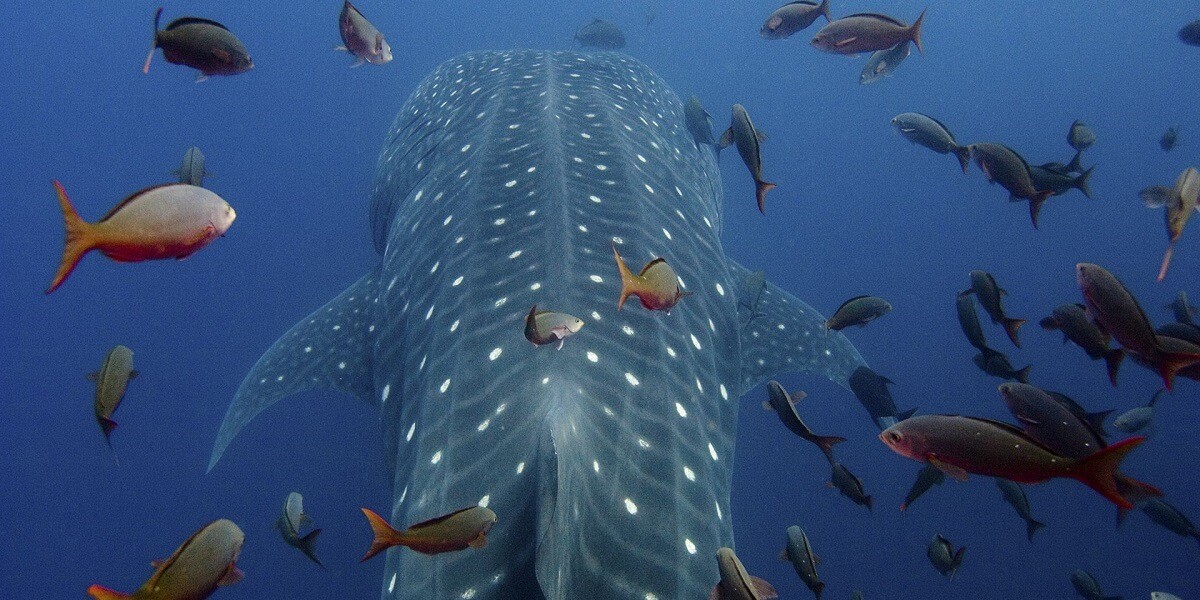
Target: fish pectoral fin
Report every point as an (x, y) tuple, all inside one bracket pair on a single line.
[(1028, 420), (479, 542), (845, 42), (958, 473), (358, 63), (201, 78), (93, 376), (156, 563), (134, 374), (762, 137), (726, 139), (222, 56), (340, 49), (783, 555), (232, 576)]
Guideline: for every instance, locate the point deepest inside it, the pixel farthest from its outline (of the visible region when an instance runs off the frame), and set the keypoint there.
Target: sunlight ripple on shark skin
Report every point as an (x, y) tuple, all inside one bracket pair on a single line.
[(501, 184)]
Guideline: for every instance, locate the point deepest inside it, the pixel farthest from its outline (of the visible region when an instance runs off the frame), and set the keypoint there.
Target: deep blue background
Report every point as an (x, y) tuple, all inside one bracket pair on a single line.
[(858, 210)]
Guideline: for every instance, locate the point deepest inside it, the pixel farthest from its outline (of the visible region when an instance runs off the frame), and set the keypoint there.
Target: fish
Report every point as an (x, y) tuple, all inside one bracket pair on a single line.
[(858, 310), (1156, 196), (192, 171), (883, 63), (1014, 494), (459, 530), (291, 521), (173, 220), (1169, 139), (361, 39), (849, 485), (793, 17), (1182, 310), (968, 321), (546, 327), (1094, 420), (872, 392), (867, 32), (997, 364), (857, 595), (931, 133), (1087, 586), (1180, 331), (1115, 309), (1049, 423), (699, 123), (111, 381), (1137, 419), (1001, 164), (927, 477), (202, 44), (656, 285), (1163, 596), (748, 140), (1180, 205), (206, 561), (960, 445), (1170, 518), (600, 34), (736, 583), (990, 295), (784, 405), (798, 551), (1072, 320), (1080, 136), (1190, 33), (1059, 182), (944, 557), (465, 414)]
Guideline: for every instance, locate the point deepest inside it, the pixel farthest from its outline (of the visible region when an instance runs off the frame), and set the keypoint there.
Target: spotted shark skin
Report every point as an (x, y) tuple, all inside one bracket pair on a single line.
[(503, 182)]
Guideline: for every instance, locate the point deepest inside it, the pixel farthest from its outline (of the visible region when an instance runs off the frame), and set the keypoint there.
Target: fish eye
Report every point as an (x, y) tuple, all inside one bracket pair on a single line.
[(895, 437)]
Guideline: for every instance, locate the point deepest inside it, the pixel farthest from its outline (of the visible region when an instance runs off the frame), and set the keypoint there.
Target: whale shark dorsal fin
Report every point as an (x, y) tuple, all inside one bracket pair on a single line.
[(330, 349), (786, 335)]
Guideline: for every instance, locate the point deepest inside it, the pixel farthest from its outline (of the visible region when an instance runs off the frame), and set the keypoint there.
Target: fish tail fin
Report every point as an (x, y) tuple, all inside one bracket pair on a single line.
[(916, 32), (153, 40), (819, 587), (79, 239), (99, 592), (309, 548), (760, 193), (1112, 360), (628, 279), (1075, 166), (1166, 261), (1172, 362), (1081, 182), (1011, 326), (870, 502), (1035, 205), (1099, 472), (957, 561), (963, 154), (827, 442), (825, 11), (1023, 374), (107, 426), (386, 536), (1122, 513), (1032, 526)]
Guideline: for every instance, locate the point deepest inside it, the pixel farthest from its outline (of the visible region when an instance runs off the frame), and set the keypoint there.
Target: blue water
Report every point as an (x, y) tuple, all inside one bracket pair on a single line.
[(858, 210)]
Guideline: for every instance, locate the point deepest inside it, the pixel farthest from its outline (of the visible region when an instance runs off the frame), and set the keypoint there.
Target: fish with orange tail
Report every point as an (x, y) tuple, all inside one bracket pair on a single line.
[(959, 445), (165, 221), (459, 530), (205, 562), (657, 285)]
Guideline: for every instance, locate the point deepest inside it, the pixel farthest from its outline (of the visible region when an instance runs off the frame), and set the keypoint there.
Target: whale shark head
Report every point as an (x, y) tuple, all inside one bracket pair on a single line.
[(504, 182)]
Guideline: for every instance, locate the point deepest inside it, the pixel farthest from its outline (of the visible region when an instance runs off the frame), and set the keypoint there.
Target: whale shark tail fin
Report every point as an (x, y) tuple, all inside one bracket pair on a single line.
[(330, 349)]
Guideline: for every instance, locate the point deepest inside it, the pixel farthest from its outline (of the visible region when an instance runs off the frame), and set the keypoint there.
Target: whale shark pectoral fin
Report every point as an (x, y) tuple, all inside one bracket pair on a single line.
[(330, 349), (785, 334)]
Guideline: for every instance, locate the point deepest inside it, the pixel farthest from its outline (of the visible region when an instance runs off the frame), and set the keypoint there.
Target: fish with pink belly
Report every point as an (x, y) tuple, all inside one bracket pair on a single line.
[(361, 38), (165, 221)]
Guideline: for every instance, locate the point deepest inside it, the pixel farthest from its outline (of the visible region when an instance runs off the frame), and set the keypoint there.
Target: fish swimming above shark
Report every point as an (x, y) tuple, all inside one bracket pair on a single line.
[(506, 181)]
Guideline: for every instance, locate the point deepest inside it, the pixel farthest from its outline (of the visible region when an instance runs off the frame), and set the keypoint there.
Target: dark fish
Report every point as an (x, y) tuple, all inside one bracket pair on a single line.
[(872, 392), (699, 122), (201, 44), (656, 286), (291, 521), (984, 286), (1059, 182), (1170, 518), (111, 381), (1115, 309), (600, 34), (192, 171), (798, 551), (1001, 164), (1014, 494), (1049, 423), (749, 140), (736, 583), (1190, 33), (459, 530), (204, 562), (1080, 136), (849, 485), (931, 133), (858, 310), (857, 595), (867, 32), (960, 445), (1087, 586), (997, 364), (1094, 420), (968, 320), (546, 327), (361, 39), (1182, 309), (1180, 205), (1169, 138), (883, 63), (1156, 196), (784, 405), (1137, 419), (927, 477), (1180, 331), (944, 557), (1073, 322), (793, 17)]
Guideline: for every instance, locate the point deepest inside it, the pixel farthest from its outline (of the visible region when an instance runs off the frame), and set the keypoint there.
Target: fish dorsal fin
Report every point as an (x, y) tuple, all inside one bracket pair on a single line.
[(331, 349), (232, 576), (847, 303), (1019, 157), (939, 123), (161, 566), (130, 198), (762, 589), (434, 521), (181, 21), (651, 265), (892, 20)]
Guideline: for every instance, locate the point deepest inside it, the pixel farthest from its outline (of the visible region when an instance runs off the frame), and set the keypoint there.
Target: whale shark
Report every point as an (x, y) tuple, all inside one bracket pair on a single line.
[(505, 181)]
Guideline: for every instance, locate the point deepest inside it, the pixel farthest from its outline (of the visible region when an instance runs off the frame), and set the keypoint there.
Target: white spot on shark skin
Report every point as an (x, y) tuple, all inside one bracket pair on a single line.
[(680, 409), (411, 428), (337, 327), (699, 385), (341, 365), (483, 425), (695, 342), (447, 220), (392, 585), (712, 326), (510, 183), (724, 392), (469, 592), (666, 233), (712, 451), (671, 352), (280, 378), (632, 380), (454, 326), (595, 315), (596, 466), (457, 281), (514, 254), (592, 356), (691, 548), (520, 467), (429, 313), (500, 302), (582, 228), (594, 199), (648, 188), (596, 278), (499, 222), (627, 330), (536, 286), (437, 458), (630, 506), (643, 444), (387, 391), (495, 353), (545, 380), (718, 505), (689, 473), (707, 222), (307, 349), (445, 385)]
